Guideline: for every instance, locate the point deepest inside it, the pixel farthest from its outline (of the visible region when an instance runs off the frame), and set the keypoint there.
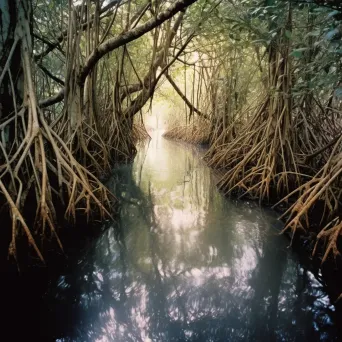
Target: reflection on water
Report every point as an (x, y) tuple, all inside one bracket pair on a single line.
[(184, 264)]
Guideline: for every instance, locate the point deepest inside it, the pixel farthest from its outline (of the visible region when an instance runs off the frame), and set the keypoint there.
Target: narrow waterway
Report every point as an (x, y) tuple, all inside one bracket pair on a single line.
[(185, 264)]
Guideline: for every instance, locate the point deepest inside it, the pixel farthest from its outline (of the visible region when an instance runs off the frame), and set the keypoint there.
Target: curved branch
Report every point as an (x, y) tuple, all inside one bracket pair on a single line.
[(146, 94), (126, 37), (159, 59), (114, 43), (62, 36), (184, 98), (53, 99), (322, 149), (49, 74)]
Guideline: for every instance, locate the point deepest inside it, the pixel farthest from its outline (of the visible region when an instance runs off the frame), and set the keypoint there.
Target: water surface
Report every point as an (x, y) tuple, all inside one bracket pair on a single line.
[(185, 264)]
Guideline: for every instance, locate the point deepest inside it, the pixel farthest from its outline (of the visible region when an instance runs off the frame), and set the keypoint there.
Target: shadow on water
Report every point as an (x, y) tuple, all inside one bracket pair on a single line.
[(184, 264)]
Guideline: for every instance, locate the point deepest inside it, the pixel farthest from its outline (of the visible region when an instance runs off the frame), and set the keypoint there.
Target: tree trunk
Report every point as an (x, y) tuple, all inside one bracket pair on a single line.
[(10, 59)]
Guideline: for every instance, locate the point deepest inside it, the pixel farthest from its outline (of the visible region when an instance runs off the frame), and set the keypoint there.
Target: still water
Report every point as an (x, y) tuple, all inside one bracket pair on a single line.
[(185, 264)]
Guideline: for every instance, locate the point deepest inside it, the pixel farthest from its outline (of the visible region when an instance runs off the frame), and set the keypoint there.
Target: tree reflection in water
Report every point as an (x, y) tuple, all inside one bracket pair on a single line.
[(184, 264)]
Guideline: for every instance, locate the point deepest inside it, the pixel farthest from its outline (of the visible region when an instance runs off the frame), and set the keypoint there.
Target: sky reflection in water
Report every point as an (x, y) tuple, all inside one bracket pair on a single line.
[(184, 264)]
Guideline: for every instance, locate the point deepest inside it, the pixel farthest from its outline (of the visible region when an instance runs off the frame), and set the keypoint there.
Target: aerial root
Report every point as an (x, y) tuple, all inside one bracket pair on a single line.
[(330, 235), (139, 133), (43, 155), (326, 187), (260, 158)]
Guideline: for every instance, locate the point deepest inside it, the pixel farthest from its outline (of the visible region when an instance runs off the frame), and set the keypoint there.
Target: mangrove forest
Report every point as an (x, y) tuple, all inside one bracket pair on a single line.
[(171, 170)]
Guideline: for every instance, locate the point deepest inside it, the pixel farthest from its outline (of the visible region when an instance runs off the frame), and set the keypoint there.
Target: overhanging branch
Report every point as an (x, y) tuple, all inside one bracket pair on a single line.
[(126, 37), (52, 100), (146, 93), (184, 98), (49, 74), (63, 35)]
